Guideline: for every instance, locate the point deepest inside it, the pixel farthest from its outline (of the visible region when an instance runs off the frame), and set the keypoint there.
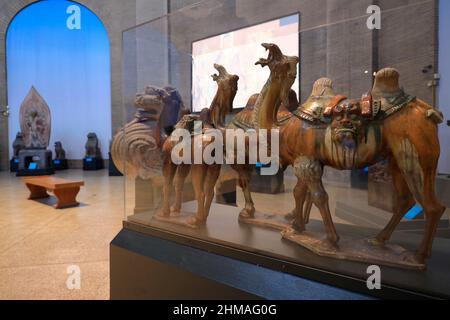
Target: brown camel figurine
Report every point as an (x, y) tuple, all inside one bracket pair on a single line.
[(276, 95), (204, 176), (352, 134)]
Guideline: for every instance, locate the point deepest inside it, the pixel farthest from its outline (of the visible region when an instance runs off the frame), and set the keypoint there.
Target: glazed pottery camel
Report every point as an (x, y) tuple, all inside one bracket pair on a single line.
[(204, 177), (275, 96), (352, 134)]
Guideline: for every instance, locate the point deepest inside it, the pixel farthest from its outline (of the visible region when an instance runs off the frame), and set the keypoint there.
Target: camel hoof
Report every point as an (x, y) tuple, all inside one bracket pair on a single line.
[(299, 227), (414, 258), (195, 222), (419, 258), (331, 244), (290, 216), (247, 213), (175, 209), (376, 242), (164, 214)]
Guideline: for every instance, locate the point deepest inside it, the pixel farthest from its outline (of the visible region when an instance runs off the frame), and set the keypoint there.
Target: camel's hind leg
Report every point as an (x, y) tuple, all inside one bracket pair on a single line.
[(420, 175), (210, 183), (180, 177), (404, 201), (198, 175), (169, 170)]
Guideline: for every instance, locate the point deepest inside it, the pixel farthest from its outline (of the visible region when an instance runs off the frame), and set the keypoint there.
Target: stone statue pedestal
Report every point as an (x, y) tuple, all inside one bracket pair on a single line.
[(14, 164), (93, 164), (35, 162), (60, 164)]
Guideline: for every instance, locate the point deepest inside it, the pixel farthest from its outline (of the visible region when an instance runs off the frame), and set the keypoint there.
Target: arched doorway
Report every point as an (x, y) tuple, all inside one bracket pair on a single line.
[(62, 49)]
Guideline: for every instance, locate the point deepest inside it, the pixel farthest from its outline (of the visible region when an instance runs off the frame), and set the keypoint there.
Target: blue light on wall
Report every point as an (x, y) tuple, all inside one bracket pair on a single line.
[(62, 49)]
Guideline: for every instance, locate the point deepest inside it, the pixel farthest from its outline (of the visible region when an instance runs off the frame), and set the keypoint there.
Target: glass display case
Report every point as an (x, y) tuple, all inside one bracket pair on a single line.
[(295, 135)]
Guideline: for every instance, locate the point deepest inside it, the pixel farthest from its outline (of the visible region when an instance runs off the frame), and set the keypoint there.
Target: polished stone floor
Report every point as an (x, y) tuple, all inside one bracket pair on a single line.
[(38, 243)]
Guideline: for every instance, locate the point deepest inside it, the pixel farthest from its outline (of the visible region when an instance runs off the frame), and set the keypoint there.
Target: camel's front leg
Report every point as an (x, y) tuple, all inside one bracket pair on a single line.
[(300, 191), (310, 171), (303, 203), (244, 172)]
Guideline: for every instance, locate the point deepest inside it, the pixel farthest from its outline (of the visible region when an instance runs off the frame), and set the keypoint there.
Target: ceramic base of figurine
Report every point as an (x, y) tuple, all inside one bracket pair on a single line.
[(181, 219), (355, 249), (264, 220), (93, 164)]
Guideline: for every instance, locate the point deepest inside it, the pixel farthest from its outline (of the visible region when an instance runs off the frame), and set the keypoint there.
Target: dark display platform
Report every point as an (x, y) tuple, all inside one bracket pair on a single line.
[(226, 237), (93, 164), (148, 267), (13, 165), (35, 173), (60, 164)]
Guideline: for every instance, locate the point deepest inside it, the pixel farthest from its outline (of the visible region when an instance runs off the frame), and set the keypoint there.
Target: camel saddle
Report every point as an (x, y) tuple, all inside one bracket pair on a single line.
[(385, 99), (371, 109)]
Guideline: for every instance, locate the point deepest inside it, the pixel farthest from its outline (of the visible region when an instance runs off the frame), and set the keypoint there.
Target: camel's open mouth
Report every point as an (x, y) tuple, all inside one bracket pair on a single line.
[(274, 54), (222, 72)]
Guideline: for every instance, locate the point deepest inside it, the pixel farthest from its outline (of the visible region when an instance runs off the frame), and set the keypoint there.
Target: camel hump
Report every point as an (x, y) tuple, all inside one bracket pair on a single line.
[(387, 81), (321, 87)]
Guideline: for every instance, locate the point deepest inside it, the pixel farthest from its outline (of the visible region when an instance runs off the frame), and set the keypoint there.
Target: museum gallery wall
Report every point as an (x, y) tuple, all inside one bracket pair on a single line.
[(65, 60)]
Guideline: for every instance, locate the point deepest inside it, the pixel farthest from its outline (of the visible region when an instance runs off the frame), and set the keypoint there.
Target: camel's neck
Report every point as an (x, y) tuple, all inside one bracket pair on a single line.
[(275, 91), (221, 105), (269, 97)]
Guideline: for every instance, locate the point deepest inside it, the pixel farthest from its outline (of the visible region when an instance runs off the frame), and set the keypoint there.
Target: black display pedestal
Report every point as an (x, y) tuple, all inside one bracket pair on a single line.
[(148, 267), (60, 164), (113, 171), (35, 162), (149, 257), (93, 164), (14, 165)]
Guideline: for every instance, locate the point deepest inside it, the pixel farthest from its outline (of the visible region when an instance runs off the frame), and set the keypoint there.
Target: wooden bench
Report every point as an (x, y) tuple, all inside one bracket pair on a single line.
[(64, 190)]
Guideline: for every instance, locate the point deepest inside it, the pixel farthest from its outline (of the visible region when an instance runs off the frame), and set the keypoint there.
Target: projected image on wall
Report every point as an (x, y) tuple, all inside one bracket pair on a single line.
[(238, 51)]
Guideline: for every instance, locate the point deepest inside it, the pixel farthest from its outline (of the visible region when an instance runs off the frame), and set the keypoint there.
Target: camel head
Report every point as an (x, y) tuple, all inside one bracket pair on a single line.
[(227, 83), (283, 72), (152, 99), (227, 87), (282, 68)]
